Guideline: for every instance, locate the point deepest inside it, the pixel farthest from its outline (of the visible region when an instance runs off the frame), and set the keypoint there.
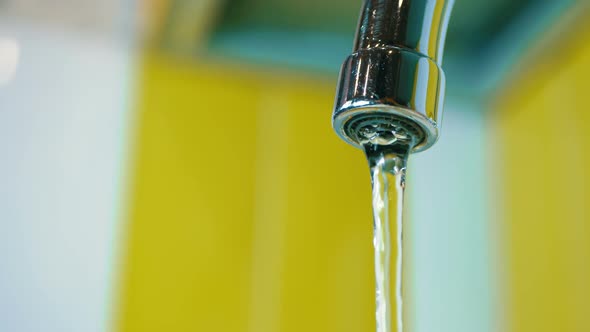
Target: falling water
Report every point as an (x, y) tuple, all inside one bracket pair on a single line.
[(387, 148)]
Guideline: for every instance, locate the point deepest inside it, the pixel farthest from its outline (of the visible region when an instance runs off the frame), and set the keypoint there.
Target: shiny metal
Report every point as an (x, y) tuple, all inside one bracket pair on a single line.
[(395, 68)]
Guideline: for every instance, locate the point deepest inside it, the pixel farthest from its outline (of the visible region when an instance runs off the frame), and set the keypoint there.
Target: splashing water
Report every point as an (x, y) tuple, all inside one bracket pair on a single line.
[(387, 148)]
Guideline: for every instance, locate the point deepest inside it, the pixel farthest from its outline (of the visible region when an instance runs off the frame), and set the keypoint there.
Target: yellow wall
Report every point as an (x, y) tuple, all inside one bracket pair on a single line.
[(542, 129), (247, 212)]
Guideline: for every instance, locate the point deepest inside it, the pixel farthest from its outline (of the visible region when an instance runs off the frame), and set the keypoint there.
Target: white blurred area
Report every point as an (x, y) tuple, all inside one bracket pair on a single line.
[(81, 16), (65, 96), (449, 231)]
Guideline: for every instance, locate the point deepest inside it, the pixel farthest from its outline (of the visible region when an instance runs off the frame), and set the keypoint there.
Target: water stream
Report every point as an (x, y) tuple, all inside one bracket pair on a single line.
[(388, 169), (387, 148)]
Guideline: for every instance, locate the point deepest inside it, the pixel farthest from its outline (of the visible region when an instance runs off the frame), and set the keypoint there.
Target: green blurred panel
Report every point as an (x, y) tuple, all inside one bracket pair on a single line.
[(309, 15)]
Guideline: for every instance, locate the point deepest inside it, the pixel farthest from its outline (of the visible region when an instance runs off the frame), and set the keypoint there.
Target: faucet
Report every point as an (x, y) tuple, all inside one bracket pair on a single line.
[(394, 77)]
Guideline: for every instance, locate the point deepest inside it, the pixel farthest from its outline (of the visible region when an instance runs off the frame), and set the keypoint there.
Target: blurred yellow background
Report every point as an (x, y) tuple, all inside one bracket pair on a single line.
[(246, 208), (543, 133)]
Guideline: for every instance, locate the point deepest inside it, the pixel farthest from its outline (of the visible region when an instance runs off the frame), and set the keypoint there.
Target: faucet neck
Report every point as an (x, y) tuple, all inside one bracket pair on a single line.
[(417, 25)]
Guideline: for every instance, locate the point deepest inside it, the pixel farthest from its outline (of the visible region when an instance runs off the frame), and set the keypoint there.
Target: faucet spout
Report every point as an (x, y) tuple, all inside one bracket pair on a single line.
[(394, 73)]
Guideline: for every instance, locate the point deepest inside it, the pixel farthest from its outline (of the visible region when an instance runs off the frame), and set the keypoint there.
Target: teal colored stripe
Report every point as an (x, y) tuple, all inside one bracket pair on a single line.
[(474, 74), (315, 51), (491, 66)]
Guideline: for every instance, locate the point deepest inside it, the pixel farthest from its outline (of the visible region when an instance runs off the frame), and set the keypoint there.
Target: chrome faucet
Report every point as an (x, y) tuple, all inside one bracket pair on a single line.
[(394, 74)]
